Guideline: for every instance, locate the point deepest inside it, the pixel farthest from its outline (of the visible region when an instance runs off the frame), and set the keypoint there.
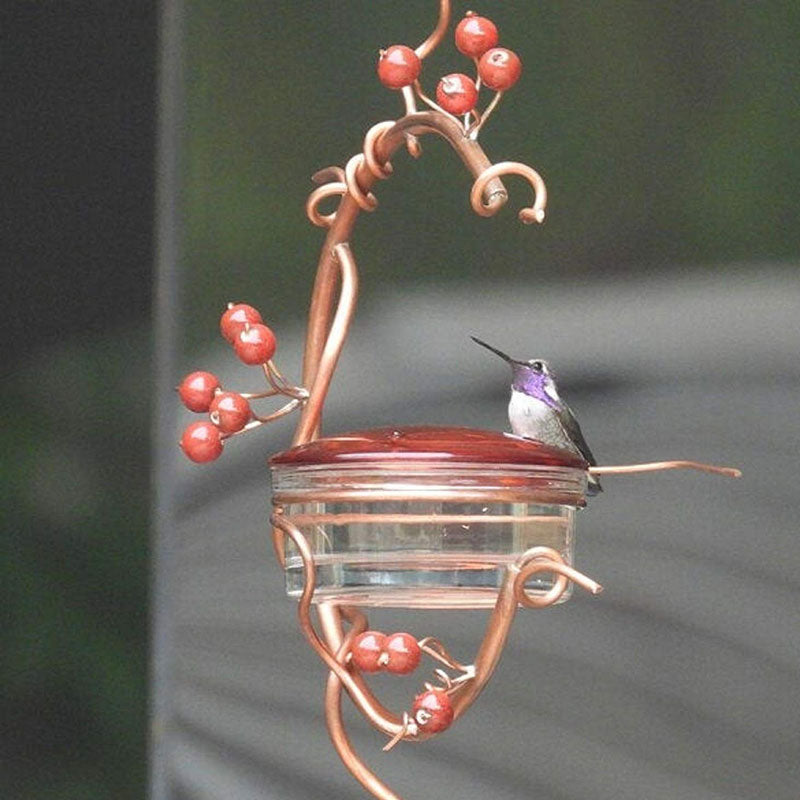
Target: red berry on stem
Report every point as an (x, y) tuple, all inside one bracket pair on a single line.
[(403, 653), (433, 710), (197, 390), (366, 650), (475, 35), (499, 68), (398, 66), (457, 93), (235, 317), (255, 345), (202, 442), (230, 412)]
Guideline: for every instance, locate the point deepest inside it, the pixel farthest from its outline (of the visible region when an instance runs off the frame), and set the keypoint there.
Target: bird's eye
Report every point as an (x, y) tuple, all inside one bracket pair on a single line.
[(537, 365)]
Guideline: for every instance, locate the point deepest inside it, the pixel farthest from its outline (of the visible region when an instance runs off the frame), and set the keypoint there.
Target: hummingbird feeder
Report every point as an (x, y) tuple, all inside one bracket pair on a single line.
[(405, 517)]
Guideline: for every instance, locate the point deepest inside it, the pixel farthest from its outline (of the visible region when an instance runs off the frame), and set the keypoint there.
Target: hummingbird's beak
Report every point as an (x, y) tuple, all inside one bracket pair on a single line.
[(495, 350)]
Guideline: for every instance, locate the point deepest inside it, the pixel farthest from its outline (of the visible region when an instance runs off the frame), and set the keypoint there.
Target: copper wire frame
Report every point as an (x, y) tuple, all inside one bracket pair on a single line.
[(333, 302), (333, 647)]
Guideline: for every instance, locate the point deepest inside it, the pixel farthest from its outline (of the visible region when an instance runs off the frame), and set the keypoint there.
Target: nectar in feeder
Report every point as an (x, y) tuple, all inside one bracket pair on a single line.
[(425, 516)]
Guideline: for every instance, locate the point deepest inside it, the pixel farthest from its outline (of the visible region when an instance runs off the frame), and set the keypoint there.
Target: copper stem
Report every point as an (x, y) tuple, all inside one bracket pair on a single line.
[(659, 466), (325, 338), (323, 293)]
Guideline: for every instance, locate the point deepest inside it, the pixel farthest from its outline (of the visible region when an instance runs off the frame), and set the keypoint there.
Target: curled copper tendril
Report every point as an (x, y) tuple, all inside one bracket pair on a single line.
[(484, 196), (344, 181), (545, 559), (380, 171), (527, 215), (366, 200)]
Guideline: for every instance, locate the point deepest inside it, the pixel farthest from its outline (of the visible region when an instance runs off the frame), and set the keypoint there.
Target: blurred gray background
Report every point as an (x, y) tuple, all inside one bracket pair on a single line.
[(663, 288)]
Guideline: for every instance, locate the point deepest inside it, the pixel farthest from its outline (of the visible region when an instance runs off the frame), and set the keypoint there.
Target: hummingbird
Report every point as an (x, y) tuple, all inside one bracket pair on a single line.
[(536, 411)]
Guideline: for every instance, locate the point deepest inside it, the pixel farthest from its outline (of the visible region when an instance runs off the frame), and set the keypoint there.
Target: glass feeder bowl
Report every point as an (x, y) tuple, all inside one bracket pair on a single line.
[(425, 517)]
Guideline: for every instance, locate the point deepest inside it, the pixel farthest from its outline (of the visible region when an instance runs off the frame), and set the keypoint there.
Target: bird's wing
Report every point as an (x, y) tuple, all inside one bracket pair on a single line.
[(573, 430)]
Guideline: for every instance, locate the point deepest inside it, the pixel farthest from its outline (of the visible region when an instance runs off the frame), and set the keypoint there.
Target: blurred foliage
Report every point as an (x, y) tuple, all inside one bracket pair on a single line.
[(74, 571), (665, 133)]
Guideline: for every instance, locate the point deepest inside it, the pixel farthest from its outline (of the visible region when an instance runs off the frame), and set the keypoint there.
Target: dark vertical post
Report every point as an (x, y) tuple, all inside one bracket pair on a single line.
[(165, 358)]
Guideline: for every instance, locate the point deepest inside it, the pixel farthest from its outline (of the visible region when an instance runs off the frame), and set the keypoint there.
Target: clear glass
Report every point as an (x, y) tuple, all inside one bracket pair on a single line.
[(447, 550)]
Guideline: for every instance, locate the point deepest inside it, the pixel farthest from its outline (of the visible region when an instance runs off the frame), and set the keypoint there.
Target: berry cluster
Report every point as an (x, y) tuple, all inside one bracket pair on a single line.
[(476, 37), (228, 412), (243, 327), (432, 710), (400, 654)]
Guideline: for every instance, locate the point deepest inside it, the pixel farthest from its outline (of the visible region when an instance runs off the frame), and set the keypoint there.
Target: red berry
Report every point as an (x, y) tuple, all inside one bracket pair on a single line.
[(499, 68), (255, 344), (197, 390), (475, 35), (433, 711), (235, 317), (457, 93), (366, 650), (202, 442), (398, 66), (230, 412), (403, 653)]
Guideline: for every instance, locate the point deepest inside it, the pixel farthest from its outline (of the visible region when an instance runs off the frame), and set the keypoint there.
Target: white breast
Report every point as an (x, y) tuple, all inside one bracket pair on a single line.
[(536, 420)]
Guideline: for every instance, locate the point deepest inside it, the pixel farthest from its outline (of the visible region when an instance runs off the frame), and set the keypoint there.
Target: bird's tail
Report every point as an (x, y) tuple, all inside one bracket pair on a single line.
[(593, 487)]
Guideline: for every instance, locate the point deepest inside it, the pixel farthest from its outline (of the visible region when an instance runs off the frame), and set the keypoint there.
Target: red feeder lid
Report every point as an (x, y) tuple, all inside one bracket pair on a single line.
[(427, 443)]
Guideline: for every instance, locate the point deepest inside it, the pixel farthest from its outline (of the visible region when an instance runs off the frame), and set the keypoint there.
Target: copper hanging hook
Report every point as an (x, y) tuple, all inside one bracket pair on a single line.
[(437, 34)]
